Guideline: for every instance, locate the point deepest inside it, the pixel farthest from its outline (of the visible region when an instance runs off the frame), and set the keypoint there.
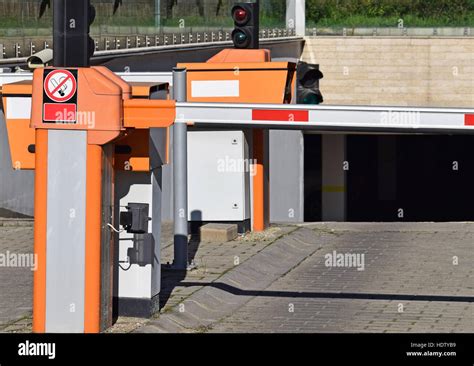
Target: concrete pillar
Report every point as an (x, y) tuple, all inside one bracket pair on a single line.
[(286, 176), (334, 177), (137, 286), (296, 16)]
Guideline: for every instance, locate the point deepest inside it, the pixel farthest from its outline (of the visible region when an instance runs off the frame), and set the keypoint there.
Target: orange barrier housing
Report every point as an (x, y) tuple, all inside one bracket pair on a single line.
[(256, 80), (114, 117), (259, 82), (99, 104), (20, 136), (93, 239), (138, 116)]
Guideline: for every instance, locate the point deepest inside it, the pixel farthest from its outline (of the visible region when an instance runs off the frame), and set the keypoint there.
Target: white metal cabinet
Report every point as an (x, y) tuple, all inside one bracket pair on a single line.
[(218, 176)]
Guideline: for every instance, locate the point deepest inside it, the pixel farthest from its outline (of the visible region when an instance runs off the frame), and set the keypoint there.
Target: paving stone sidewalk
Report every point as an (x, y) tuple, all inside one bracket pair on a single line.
[(212, 260), (409, 284), (16, 237), (417, 277)]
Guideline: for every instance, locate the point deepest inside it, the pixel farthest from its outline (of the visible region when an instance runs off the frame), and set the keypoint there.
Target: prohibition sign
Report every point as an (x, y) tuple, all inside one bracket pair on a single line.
[(60, 85)]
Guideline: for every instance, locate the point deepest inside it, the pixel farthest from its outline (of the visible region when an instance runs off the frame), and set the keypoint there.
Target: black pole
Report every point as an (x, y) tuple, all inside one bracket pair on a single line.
[(72, 45), (58, 33)]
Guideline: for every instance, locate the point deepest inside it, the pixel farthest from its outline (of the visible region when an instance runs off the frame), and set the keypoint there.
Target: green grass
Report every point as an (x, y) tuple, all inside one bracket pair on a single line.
[(14, 23)]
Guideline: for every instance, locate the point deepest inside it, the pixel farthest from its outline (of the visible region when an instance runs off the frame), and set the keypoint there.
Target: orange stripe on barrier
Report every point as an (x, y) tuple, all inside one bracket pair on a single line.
[(93, 237), (469, 120), (39, 277), (258, 182)]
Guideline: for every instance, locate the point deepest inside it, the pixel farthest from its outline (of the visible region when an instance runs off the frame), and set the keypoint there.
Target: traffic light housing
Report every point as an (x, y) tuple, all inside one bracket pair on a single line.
[(307, 89), (246, 21), (73, 47)]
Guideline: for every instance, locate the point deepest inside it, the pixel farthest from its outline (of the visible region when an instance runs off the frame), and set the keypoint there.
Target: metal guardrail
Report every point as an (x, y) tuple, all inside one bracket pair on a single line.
[(20, 51)]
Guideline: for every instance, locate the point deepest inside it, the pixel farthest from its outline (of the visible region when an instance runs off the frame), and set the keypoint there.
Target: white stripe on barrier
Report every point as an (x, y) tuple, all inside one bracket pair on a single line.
[(321, 117), (18, 108), (8, 78), (147, 77)]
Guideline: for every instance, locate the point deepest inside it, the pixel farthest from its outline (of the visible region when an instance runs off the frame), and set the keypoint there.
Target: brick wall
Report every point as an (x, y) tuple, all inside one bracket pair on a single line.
[(436, 72)]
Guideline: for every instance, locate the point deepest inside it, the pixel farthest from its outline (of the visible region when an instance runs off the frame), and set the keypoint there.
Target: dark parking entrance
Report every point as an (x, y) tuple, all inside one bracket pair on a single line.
[(410, 178), (399, 178)]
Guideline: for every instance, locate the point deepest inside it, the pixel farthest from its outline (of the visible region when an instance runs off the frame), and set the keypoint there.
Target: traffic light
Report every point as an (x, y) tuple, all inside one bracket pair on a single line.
[(307, 89), (246, 20), (72, 45)]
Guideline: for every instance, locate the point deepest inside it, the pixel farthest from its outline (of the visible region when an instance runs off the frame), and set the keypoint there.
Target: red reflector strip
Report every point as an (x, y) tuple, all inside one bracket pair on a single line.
[(469, 120), (277, 115), (65, 112)]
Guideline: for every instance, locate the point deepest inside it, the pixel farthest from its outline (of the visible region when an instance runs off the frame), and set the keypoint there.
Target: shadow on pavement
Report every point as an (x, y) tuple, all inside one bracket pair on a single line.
[(327, 295), (172, 278)]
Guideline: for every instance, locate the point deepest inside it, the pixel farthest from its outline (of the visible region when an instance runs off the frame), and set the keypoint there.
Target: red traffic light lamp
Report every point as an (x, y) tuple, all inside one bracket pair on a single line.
[(240, 15), (246, 21)]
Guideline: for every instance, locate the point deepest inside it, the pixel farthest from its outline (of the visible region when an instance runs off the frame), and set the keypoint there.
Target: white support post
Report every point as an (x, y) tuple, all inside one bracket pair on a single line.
[(334, 177), (296, 16)]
